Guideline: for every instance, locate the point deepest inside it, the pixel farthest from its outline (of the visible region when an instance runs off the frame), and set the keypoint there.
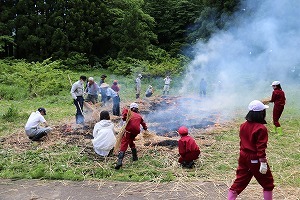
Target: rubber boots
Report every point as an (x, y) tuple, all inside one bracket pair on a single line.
[(134, 154), (232, 195), (120, 160), (279, 130), (267, 195), (275, 129)]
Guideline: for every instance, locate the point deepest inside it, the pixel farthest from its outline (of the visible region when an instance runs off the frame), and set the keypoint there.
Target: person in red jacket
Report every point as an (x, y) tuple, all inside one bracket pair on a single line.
[(252, 160), (278, 98), (188, 149), (132, 129)]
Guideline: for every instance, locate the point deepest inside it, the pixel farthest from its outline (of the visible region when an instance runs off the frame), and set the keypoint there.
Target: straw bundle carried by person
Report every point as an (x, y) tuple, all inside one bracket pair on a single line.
[(121, 133)]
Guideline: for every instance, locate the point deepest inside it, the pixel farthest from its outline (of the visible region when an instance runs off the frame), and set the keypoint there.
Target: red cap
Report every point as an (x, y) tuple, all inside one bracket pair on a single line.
[(183, 130)]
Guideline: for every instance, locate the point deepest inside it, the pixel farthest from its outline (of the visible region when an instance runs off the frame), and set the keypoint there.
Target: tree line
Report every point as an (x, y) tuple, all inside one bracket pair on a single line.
[(97, 31)]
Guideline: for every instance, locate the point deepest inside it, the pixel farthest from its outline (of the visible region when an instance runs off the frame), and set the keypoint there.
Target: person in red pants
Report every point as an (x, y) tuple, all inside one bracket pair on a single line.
[(132, 129), (278, 98), (252, 160), (188, 149)]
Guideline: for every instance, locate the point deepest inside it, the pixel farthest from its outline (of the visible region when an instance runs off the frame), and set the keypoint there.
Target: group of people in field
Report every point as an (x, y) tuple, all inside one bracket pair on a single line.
[(253, 134)]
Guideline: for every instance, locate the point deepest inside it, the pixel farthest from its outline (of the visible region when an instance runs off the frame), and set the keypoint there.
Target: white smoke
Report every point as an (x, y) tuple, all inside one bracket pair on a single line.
[(240, 63)]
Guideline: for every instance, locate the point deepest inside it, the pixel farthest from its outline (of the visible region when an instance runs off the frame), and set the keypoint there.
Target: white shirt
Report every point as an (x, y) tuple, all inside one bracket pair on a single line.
[(167, 81), (138, 82), (104, 137), (77, 89), (34, 120)]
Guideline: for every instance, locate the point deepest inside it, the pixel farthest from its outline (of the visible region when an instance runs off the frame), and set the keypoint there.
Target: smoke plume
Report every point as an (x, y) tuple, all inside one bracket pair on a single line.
[(239, 63)]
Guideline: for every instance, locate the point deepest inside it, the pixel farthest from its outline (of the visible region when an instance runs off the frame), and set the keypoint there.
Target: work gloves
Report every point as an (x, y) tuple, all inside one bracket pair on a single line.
[(263, 168)]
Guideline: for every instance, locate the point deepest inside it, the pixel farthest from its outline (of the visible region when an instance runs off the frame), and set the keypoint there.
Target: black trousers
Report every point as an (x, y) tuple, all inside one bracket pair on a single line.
[(79, 108)]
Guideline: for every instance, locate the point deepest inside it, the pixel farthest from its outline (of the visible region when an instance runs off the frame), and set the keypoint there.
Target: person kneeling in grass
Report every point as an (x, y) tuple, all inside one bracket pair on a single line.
[(32, 127), (188, 149), (104, 137)]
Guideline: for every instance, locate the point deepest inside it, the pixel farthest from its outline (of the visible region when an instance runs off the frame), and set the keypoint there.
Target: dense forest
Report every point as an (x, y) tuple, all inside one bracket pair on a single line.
[(102, 32)]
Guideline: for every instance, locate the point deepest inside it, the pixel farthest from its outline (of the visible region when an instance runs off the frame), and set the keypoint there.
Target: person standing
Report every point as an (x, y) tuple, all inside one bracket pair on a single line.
[(32, 127), (102, 80), (115, 86), (203, 86), (103, 133), (167, 85), (188, 148), (252, 160), (92, 90), (132, 129), (278, 98), (77, 94), (103, 91), (138, 86), (116, 101)]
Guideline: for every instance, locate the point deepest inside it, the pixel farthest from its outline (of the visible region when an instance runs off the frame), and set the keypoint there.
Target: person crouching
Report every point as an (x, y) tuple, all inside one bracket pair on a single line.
[(188, 149), (32, 127), (103, 133), (133, 121)]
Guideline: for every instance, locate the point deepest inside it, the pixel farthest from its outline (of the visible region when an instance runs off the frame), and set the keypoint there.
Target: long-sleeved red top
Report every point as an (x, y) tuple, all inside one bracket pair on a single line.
[(254, 139), (278, 97), (134, 123), (187, 144)]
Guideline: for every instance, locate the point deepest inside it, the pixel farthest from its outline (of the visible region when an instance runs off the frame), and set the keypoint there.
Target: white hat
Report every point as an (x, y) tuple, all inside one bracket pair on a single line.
[(134, 105), (91, 79), (275, 83), (104, 85), (257, 106), (140, 75)]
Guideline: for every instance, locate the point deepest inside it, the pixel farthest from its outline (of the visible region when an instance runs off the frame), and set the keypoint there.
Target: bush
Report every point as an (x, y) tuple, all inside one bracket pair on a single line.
[(20, 79), (76, 61), (162, 67)]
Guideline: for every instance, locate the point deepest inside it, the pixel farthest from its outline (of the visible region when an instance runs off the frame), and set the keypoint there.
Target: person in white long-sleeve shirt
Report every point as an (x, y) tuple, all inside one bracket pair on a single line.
[(104, 136), (77, 91)]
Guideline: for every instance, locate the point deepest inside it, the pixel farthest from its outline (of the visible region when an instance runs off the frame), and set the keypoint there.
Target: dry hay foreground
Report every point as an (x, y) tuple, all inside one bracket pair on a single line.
[(69, 133)]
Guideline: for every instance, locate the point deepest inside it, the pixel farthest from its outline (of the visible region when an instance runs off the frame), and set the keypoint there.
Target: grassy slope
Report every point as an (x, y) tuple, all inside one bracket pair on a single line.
[(218, 161)]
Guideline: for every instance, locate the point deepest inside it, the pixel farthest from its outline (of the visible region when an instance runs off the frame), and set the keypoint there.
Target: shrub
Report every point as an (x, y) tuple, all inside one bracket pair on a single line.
[(20, 79), (76, 61)]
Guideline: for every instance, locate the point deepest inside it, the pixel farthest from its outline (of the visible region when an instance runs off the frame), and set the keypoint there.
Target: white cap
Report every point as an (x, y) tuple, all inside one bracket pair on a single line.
[(91, 79), (257, 106), (275, 83), (104, 85), (140, 75), (134, 105)]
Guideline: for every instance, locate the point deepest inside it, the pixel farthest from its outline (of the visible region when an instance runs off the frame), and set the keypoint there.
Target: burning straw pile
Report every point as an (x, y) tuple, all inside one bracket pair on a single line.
[(162, 129)]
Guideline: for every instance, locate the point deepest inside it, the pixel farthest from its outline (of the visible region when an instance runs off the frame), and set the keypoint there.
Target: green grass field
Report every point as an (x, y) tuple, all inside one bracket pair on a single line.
[(217, 163)]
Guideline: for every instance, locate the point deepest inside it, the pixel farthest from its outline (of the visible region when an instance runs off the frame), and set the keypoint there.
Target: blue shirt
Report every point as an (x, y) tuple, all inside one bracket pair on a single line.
[(111, 93), (92, 89)]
